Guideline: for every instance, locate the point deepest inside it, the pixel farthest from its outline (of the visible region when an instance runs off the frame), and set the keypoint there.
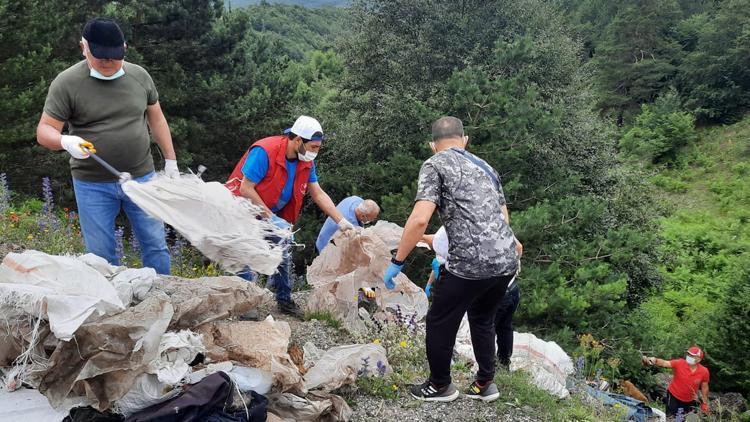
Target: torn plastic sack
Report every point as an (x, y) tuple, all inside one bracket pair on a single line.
[(146, 391), (356, 259), (316, 407), (107, 355), (222, 226), (546, 361), (252, 379), (261, 345), (176, 351), (62, 289), (341, 365), (206, 299)]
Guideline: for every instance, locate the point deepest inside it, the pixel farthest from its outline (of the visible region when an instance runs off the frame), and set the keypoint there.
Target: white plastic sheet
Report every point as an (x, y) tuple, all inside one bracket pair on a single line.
[(341, 365), (26, 405), (68, 290), (147, 391), (252, 379), (222, 226), (176, 351), (358, 259), (546, 362)]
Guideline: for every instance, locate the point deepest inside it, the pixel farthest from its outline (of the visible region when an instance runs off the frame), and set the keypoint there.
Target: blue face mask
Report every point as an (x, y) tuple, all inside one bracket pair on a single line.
[(95, 74)]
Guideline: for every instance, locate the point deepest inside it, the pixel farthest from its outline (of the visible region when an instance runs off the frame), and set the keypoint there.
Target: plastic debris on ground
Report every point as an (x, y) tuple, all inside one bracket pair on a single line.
[(222, 226), (138, 342), (633, 409), (176, 352), (317, 406), (202, 300), (29, 405), (357, 259), (146, 391), (546, 362), (341, 365), (257, 344), (64, 290)]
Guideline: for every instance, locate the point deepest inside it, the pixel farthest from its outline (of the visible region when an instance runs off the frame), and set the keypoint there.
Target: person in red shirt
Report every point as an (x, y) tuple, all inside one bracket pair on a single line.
[(689, 377)]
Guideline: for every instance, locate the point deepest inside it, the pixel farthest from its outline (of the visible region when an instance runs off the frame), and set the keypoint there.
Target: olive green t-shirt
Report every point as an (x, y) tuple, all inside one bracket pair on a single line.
[(109, 114)]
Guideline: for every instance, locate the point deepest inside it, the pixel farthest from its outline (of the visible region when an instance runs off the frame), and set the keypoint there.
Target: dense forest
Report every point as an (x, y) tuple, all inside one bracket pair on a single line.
[(618, 128)]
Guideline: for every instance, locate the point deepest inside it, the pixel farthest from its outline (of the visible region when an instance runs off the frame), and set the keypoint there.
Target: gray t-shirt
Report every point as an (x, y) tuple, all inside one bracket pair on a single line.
[(109, 114), (482, 244)]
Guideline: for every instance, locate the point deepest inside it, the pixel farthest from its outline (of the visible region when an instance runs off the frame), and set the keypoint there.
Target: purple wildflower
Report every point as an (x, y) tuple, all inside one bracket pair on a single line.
[(176, 249), (413, 322), (579, 366), (47, 195), (365, 369), (381, 368), (119, 246), (133, 241), (400, 316), (4, 193), (599, 374), (680, 417)]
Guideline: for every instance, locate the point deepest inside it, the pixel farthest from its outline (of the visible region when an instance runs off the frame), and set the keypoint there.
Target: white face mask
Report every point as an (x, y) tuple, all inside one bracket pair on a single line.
[(307, 156), (95, 74), (690, 360)]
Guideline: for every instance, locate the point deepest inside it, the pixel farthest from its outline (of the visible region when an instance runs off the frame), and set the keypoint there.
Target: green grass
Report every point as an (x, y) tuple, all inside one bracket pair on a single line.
[(325, 317), (517, 392)]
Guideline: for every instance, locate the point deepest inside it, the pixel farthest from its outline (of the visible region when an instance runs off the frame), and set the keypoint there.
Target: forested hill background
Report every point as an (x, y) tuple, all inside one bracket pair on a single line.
[(619, 130), (309, 3)]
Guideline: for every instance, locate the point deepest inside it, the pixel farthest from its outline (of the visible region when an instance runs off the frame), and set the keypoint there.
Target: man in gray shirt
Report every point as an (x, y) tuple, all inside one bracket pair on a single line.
[(110, 105), (482, 258)]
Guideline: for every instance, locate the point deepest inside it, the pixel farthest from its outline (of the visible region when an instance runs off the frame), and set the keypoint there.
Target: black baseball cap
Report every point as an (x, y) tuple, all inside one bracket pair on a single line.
[(105, 39)]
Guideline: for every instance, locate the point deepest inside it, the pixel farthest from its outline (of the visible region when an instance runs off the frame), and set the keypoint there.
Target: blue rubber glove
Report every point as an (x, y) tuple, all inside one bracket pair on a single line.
[(391, 272), (436, 268), (428, 289)]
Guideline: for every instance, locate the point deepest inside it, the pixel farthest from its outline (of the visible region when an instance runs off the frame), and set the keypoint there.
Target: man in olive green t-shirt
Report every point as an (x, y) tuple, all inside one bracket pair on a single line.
[(109, 106)]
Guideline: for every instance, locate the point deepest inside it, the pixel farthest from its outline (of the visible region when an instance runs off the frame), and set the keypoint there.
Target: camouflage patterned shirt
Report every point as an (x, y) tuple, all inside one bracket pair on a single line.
[(482, 244)]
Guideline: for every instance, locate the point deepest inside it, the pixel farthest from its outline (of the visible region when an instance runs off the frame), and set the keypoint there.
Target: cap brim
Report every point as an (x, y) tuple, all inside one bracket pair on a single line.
[(107, 52)]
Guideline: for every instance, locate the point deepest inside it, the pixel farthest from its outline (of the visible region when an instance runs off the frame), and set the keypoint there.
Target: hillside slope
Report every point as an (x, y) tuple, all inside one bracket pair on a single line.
[(706, 252)]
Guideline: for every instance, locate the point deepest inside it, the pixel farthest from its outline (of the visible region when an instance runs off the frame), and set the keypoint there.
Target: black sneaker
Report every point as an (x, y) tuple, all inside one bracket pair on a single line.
[(428, 392), (487, 393), (290, 308)]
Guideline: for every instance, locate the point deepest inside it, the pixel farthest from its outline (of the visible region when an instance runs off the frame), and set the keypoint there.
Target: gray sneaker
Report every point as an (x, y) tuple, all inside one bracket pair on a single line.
[(487, 393), (428, 392)]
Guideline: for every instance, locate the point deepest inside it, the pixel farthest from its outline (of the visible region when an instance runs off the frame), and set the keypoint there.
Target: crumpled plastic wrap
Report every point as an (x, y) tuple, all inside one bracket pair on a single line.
[(341, 365), (107, 355), (356, 259), (261, 344), (222, 226)]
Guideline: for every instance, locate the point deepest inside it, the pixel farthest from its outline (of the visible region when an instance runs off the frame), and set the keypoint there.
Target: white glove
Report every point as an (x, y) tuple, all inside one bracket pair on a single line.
[(345, 225), (74, 145), (171, 170)]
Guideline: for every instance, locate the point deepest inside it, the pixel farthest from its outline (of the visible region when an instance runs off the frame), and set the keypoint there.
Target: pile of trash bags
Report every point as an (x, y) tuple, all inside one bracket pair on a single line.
[(83, 340), (356, 260)]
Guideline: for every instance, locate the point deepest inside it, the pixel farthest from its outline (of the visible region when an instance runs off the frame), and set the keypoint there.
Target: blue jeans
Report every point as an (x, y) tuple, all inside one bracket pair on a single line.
[(99, 203), (280, 280)]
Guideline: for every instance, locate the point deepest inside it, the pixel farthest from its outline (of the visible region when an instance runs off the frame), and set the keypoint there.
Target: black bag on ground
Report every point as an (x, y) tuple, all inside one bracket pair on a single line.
[(211, 394)]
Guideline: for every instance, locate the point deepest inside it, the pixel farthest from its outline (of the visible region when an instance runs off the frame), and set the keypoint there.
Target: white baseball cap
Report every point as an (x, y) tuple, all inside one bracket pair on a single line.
[(307, 128)]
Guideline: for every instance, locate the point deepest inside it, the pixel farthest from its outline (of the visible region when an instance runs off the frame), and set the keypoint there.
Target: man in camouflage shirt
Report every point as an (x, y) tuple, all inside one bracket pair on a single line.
[(482, 258)]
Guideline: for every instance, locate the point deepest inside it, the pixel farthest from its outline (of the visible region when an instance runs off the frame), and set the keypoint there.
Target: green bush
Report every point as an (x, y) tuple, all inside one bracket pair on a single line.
[(660, 130)]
